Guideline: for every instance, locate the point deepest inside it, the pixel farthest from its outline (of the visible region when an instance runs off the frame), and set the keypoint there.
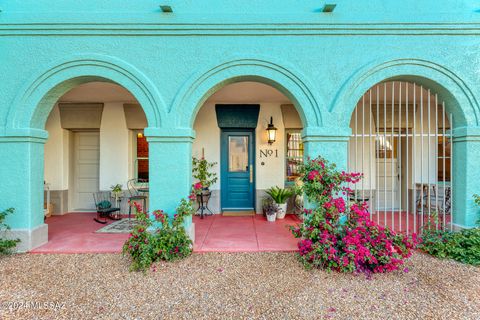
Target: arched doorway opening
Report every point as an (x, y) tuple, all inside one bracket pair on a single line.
[(402, 142), (96, 141), (230, 129)]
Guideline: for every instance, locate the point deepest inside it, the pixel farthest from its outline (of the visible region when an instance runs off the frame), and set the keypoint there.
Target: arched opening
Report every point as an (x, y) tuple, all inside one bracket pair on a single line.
[(231, 131), (402, 142), (96, 142)]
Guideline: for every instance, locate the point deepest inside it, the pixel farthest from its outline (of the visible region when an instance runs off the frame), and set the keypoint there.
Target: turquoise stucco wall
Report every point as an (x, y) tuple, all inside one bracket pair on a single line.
[(173, 62)]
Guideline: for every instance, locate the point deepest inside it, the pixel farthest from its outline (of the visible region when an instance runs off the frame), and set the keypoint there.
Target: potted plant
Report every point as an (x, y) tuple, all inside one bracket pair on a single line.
[(270, 209), (266, 204), (201, 171), (116, 191), (280, 196)]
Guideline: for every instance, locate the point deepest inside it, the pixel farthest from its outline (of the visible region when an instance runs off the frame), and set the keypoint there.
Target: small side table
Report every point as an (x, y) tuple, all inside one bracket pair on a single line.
[(202, 200), (118, 202)]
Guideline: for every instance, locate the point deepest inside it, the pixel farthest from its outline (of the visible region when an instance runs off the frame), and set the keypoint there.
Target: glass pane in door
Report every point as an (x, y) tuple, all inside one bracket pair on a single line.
[(238, 153)]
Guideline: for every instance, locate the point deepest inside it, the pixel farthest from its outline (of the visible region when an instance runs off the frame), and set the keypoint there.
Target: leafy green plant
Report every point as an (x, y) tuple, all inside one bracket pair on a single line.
[(116, 190), (476, 199), (279, 195), (462, 246), (6, 245), (160, 238), (201, 172), (269, 206)]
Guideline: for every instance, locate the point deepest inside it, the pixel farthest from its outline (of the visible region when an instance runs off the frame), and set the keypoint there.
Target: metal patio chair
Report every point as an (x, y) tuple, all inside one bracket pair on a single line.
[(105, 209), (137, 189)]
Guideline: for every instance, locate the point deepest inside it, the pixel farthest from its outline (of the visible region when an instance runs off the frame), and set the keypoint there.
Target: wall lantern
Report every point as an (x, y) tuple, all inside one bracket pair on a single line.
[(271, 131), (140, 135)]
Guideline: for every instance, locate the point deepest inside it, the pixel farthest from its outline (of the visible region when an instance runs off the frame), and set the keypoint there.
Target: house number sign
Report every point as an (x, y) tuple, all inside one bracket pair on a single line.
[(268, 153)]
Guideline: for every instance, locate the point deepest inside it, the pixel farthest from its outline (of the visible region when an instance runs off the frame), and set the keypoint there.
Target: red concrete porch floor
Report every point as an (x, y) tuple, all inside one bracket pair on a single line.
[(244, 234), (75, 233)]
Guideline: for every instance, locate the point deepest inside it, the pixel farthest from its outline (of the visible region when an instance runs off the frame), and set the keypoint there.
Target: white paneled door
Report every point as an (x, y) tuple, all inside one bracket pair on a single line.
[(86, 169), (388, 184)]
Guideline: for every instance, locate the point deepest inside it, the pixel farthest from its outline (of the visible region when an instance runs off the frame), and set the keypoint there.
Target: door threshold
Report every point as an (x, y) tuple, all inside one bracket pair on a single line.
[(239, 213)]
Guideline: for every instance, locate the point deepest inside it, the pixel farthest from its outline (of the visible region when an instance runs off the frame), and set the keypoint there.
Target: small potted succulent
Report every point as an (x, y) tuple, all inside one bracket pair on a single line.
[(270, 209), (280, 197), (266, 204), (116, 191)]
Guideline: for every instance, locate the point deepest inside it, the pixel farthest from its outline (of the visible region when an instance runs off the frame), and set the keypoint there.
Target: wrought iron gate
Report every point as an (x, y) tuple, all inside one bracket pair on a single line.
[(401, 141)]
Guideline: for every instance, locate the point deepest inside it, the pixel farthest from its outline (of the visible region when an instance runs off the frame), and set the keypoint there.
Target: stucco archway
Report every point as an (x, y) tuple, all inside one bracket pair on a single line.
[(459, 99), (25, 129), (452, 90), (205, 83), (30, 110)]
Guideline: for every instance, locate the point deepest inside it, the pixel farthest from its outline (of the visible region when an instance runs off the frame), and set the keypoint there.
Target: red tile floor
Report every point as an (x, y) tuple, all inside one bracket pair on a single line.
[(75, 233)]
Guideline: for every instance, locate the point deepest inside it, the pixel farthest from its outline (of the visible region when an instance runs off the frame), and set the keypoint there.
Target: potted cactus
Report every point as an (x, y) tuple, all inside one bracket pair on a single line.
[(280, 197)]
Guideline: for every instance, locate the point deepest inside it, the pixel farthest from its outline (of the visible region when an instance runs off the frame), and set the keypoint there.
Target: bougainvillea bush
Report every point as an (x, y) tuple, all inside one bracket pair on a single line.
[(159, 237), (336, 235)]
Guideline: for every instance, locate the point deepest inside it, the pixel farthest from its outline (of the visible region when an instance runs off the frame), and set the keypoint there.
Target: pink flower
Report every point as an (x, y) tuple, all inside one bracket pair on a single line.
[(312, 175), (198, 186)]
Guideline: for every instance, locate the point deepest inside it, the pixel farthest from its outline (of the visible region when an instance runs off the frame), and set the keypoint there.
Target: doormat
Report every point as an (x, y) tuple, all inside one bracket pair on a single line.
[(247, 213), (120, 226)]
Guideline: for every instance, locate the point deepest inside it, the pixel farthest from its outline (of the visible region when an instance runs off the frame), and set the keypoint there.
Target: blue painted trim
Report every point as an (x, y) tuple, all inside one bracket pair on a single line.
[(224, 166)]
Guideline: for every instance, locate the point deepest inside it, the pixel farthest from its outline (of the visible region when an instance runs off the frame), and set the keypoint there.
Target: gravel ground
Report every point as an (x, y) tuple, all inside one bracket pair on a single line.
[(231, 286)]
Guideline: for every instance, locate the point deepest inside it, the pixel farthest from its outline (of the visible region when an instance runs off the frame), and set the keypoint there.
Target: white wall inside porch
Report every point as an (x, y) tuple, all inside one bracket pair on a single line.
[(272, 172), (116, 141)]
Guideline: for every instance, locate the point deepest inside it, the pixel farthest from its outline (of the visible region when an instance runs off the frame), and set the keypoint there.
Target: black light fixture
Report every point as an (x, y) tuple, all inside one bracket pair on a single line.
[(328, 8), (166, 9), (271, 132)]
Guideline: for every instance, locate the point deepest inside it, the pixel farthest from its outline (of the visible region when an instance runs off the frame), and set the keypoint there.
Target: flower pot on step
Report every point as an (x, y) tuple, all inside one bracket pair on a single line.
[(282, 211)]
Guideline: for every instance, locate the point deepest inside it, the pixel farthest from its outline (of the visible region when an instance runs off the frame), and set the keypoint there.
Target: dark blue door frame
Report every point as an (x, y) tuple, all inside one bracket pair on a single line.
[(238, 186)]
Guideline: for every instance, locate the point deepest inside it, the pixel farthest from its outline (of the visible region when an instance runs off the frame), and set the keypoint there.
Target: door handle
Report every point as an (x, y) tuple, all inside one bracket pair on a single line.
[(251, 174)]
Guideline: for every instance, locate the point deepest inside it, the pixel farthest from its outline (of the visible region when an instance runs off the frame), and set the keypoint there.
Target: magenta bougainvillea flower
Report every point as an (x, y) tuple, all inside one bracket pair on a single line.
[(356, 245)]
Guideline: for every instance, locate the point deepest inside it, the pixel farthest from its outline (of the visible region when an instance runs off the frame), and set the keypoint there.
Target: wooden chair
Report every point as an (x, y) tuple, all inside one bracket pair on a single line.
[(103, 203)]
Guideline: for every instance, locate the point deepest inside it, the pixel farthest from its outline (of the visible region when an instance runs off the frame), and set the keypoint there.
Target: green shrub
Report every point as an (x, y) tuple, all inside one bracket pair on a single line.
[(6, 245), (163, 238), (462, 246)]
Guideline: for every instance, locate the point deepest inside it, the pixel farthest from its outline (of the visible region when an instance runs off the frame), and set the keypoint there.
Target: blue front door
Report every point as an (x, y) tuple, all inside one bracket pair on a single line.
[(237, 175)]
